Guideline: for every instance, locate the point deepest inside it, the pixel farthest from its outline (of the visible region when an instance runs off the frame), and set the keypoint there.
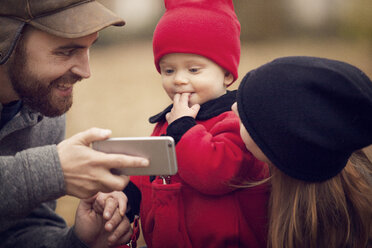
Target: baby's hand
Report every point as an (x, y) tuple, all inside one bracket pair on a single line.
[(101, 221), (181, 108), (109, 203)]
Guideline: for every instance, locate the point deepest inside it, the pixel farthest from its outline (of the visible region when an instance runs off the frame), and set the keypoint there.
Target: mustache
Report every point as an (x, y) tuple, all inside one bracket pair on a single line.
[(68, 78)]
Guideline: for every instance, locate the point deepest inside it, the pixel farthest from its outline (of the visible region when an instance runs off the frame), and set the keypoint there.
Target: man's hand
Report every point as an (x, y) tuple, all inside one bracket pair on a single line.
[(87, 171), (100, 221), (181, 108)]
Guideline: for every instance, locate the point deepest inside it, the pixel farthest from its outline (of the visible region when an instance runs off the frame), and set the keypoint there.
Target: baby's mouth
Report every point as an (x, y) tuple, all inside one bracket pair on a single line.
[(187, 92)]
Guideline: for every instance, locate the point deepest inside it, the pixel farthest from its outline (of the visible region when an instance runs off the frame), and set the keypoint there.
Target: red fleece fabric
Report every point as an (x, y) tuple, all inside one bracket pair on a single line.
[(200, 208)]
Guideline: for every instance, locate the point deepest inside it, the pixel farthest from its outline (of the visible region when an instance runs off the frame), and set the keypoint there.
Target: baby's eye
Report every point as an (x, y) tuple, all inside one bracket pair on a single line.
[(194, 69), (168, 71)]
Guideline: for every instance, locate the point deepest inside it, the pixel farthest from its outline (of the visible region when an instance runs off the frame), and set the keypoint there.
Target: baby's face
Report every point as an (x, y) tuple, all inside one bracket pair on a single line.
[(248, 141), (194, 74)]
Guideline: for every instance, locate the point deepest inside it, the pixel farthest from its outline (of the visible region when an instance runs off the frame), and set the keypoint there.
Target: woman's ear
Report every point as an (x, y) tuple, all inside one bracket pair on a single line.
[(228, 78)]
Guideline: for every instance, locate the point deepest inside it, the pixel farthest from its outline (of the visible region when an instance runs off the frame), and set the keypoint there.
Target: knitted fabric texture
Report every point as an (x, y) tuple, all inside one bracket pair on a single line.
[(208, 28), (307, 114)]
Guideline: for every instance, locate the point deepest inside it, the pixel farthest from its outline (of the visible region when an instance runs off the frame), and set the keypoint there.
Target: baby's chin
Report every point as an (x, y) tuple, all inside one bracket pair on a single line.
[(193, 100), (196, 100)]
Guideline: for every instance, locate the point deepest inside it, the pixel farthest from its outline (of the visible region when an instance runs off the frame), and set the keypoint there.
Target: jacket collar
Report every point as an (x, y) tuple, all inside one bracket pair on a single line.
[(207, 110), (26, 117)]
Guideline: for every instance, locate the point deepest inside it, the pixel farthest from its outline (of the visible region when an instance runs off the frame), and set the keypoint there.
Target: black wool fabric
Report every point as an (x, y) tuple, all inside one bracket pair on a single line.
[(307, 114)]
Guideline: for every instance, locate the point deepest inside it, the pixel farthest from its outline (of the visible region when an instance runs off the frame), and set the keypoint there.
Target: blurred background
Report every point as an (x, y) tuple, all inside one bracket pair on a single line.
[(125, 89)]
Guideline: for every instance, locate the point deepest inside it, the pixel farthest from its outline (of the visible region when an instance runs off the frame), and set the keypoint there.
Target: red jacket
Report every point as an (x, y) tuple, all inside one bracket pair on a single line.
[(200, 207)]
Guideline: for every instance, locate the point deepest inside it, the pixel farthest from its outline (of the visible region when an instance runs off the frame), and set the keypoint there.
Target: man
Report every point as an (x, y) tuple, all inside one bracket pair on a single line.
[(44, 51)]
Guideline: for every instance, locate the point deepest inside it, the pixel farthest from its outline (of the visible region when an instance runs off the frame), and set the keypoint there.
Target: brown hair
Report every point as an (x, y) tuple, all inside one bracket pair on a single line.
[(331, 214), (20, 48)]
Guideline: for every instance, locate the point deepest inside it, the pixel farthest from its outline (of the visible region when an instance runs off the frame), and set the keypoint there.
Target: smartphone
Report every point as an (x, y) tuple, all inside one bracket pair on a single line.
[(160, 151)]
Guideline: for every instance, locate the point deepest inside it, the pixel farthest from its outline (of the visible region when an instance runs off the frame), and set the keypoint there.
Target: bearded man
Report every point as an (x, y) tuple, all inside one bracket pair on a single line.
[(44, 52)]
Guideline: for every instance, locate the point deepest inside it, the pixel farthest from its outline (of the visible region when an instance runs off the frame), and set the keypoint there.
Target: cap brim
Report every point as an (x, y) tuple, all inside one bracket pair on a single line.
[(10, 32), (78, 21)]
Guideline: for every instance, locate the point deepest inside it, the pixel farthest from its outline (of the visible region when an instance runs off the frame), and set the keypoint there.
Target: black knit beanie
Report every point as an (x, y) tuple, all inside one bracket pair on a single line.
[(307, 114)]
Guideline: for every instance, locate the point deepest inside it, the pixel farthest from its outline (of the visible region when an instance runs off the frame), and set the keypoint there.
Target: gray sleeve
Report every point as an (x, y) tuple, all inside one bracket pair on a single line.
[(29, 178), (30, 181), (42, 228)]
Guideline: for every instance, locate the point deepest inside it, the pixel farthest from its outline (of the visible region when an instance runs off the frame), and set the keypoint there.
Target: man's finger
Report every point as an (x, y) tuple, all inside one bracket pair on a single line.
[(122, 233), (93, 134), (122, 161), (111, 182)]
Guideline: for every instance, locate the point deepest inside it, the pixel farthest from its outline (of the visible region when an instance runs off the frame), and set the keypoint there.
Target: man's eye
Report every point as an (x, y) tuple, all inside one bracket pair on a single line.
[(65, 52)]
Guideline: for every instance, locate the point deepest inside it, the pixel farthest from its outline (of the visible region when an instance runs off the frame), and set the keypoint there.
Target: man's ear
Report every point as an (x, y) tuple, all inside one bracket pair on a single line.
[(229, 78)]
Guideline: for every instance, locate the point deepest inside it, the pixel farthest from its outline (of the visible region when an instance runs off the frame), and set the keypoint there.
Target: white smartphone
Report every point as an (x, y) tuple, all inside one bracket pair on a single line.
[(159, 150)]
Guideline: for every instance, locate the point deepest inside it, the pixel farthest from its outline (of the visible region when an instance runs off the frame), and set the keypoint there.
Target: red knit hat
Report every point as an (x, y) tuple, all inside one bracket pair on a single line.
[(208, 28)]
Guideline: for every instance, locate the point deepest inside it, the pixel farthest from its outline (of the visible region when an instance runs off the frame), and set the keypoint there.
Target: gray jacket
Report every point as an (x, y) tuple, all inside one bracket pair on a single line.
[(31, 179)]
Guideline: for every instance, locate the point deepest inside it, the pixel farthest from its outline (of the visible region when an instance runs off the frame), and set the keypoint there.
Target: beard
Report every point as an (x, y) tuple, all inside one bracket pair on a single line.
[(35, 92)]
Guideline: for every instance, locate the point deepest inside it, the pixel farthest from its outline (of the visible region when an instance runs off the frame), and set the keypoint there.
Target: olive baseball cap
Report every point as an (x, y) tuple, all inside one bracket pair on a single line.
[(63, 18)]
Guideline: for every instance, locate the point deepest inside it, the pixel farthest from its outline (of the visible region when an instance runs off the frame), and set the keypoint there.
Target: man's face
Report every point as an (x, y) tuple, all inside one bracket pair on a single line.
[(44, 69)]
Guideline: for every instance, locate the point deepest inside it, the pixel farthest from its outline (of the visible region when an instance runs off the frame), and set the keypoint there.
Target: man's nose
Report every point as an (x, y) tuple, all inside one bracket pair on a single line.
[(81, 66)]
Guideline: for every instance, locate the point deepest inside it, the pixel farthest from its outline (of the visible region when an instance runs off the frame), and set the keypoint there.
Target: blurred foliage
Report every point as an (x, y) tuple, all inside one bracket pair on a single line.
[(357, 21), (272, 19), (260, 19), (266, 20)]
